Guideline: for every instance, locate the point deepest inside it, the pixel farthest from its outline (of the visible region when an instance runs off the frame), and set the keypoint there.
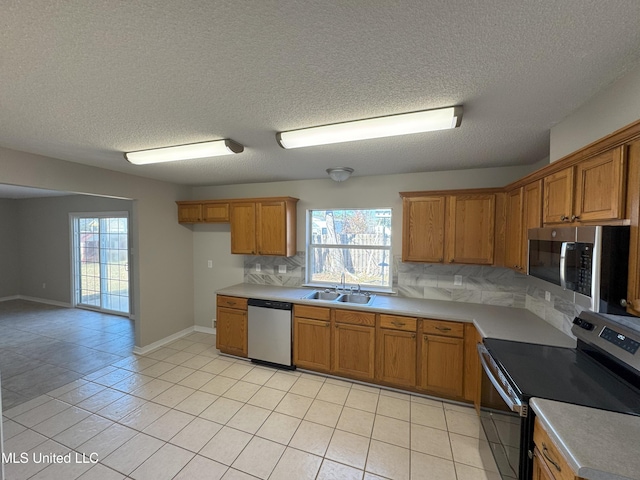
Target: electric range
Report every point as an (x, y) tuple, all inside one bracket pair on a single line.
[(603, 372)]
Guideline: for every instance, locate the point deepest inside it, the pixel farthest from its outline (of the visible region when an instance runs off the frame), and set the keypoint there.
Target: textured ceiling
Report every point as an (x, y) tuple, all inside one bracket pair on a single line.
[(86, 80)]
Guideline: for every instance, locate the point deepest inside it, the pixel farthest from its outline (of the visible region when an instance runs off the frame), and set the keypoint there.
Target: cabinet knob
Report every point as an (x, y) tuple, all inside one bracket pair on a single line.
[(575, 217), (425, 338), (441, 259), (413, 335), (626, 303), (452, 260)]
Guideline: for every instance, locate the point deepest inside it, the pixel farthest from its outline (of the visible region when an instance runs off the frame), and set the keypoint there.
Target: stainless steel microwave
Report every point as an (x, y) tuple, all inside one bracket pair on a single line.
[(590, 261)]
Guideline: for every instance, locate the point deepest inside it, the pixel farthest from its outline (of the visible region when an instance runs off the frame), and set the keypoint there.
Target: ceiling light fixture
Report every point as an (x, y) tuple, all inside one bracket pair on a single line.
[(339, 174), (183, 152), (402, 124)]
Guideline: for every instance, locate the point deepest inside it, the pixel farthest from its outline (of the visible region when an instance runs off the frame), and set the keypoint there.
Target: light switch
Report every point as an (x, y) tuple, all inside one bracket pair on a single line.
[(547, 296), (282, 269), (210, 263), (457, 279), (258, 267)]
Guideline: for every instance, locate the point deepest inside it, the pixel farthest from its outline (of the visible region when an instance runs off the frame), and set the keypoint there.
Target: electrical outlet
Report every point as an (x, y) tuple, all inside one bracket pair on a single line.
[(210, 263), (258, 267), (547, 296), (282, 269), (44, 285), (457, 279)]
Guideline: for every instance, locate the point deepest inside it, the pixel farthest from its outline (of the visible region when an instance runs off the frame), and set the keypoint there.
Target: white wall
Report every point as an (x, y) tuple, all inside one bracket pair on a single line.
[(163, 279), (213, 243), (9, 265), (611, 109), (44, 241)]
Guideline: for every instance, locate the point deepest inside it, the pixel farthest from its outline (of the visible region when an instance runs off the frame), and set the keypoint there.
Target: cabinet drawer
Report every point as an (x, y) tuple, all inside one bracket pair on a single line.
[(398, 323), (319, 313), (355, 318), (441, 327), (550, 454), (232, 302)]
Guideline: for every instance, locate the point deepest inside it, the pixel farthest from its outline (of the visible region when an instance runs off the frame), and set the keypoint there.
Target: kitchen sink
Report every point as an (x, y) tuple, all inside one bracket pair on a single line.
[(318, 295), (356, 298), (359, 298)]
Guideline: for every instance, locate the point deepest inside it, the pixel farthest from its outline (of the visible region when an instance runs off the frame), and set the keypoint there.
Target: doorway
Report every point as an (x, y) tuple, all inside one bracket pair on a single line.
[(101, 261)]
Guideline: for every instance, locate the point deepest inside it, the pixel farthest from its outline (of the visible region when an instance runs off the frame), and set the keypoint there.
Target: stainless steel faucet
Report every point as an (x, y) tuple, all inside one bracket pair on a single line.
[(342, 281)]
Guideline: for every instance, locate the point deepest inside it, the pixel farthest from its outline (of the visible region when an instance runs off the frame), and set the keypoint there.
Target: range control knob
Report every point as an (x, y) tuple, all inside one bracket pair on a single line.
[(583, 323)]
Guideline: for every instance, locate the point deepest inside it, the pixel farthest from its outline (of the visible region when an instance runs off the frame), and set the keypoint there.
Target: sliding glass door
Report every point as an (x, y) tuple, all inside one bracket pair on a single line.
[(101, 261)]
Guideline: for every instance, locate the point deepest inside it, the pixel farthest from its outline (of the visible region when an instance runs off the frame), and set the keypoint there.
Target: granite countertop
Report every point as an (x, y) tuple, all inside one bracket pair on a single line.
[(597, 444), (506, 323)]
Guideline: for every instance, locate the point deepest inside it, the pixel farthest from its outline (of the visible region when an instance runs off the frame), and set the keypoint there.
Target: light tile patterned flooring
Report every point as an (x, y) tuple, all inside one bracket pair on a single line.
[(185, 412)]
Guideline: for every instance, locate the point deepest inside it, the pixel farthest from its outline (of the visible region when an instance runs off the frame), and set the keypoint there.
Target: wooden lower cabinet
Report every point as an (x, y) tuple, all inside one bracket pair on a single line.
[(442, 365), (548, 461), (312, 338), (396, 357), (540, 469), (231, 332), (353, 351)]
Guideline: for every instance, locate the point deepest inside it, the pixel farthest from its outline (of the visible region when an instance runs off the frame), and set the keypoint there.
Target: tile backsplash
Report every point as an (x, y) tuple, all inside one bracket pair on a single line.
[(478, 284)]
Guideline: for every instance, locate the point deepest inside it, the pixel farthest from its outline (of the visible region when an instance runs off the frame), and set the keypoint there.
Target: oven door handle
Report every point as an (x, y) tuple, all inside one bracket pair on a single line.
[(512, 401)]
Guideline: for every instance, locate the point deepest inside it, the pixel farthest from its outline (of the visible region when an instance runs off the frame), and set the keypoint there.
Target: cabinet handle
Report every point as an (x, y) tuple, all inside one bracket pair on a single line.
[(327, 324), (398, 324), (443, 329), (441, 259), (551, 461), (626, 303), (575, 217)]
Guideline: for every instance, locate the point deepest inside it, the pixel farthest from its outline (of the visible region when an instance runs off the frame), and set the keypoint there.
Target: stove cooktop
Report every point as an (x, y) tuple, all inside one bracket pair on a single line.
[(563, 374)]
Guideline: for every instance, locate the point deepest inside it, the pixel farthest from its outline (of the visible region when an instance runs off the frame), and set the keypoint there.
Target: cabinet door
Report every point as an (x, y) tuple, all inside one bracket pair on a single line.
[(423, 220), (312, 344), (231, 332), (540, 469), (189, 213), (243, 228), (471, 231), (531, 216), (558, 197), (600, 187), (272, 228), (442, 365), (215, 212), (353, 351), (396, 357), (513, 240)]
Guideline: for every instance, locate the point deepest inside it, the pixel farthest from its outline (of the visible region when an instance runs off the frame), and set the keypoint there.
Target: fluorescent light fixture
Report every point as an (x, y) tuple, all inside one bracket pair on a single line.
[(402, 124), (183, 152)]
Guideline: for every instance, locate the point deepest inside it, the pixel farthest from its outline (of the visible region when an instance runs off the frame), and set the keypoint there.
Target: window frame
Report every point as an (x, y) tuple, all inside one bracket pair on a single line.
[(310, 246)]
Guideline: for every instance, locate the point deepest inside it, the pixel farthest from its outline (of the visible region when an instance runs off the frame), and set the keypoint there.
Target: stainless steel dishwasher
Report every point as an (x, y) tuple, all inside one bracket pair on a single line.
[(270, 333)]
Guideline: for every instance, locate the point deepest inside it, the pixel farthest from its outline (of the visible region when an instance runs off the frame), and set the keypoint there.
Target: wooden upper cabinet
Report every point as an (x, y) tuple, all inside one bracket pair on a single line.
[(423, 220), (591, 191), (272, 228), (471, 229), (600, 187), (215, 212), (531, 213), (243, 228), (264, 227), (189, 212), (513, 240), (558, 196)]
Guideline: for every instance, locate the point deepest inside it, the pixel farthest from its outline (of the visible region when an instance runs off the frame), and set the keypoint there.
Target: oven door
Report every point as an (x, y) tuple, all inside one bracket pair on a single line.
[(504, 419)]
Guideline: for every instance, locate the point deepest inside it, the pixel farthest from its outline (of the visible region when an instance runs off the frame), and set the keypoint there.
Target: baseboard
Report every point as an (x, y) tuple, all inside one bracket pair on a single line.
[(45, 301), (12, 297), (200, 329), (162, 342)]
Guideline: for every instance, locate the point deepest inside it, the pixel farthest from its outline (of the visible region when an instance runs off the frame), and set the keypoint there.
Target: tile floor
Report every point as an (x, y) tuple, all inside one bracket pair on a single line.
[(43, 347), (185, 412)]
